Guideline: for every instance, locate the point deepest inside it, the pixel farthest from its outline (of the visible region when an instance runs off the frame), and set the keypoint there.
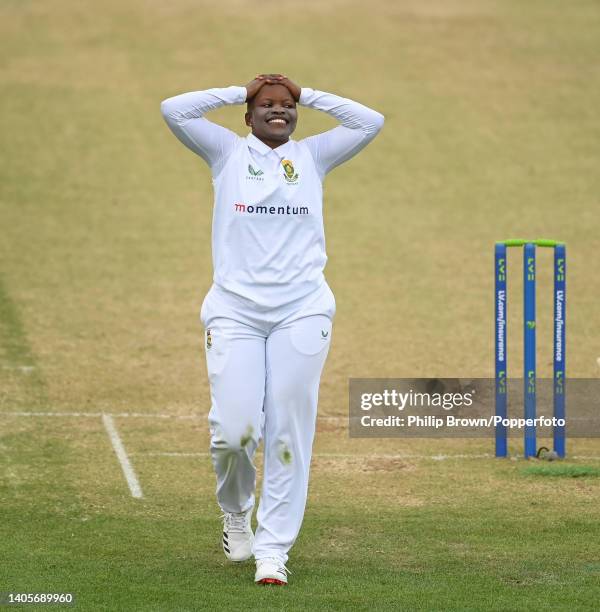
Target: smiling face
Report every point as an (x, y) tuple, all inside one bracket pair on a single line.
[(272, 115)]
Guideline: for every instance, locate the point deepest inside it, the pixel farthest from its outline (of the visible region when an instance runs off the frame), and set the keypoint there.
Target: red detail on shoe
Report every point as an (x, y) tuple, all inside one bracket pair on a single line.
[(272, 581)]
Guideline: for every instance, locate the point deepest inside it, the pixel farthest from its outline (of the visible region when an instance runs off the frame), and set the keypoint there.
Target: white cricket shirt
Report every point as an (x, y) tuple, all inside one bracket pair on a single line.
[(268, 242)]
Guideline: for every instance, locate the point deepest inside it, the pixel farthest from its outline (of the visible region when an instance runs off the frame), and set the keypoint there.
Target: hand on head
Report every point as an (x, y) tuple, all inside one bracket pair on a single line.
[(272, 79)]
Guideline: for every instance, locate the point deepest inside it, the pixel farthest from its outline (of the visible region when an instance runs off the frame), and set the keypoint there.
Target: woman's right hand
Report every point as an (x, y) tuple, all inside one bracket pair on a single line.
[(254, 85)]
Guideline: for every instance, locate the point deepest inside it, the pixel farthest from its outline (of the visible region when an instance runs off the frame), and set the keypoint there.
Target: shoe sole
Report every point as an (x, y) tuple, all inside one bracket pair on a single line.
[(266, 581), (238, 560)]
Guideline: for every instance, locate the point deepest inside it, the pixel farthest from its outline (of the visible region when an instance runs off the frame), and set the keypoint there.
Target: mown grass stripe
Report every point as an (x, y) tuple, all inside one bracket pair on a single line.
[(16, 355)]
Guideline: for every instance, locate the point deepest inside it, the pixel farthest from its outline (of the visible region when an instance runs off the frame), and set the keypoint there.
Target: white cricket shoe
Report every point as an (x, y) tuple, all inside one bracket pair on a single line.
[(271, 571), (237, 535)]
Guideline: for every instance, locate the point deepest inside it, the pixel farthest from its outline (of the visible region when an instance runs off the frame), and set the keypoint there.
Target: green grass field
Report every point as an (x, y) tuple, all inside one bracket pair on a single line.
[(491, 132)]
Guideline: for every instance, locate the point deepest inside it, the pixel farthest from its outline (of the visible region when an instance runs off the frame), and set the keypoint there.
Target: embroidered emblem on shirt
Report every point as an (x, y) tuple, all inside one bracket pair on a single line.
[(324, 334), (208, 339), (290, 175)]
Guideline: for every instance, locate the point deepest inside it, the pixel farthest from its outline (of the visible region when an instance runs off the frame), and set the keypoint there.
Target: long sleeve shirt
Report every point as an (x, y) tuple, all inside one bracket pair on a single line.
[(268, 241)]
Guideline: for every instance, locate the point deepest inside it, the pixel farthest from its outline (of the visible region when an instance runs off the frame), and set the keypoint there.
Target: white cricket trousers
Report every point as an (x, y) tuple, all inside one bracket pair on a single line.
[(264, 368)]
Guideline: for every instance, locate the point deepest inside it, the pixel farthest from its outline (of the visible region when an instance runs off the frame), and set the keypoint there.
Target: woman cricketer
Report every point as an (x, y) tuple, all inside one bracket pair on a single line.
[(268, 314)]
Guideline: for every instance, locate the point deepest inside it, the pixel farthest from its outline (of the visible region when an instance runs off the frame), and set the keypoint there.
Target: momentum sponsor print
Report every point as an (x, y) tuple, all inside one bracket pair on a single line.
[(263, 209)]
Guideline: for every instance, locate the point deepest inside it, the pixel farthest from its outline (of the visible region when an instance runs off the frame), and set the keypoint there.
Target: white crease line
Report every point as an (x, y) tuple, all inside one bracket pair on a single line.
[(358, 456), (399, 456), (132, 415), (329, 455), (52, 414), (132, 481), (167, 454), (584, 457), (158, 415)]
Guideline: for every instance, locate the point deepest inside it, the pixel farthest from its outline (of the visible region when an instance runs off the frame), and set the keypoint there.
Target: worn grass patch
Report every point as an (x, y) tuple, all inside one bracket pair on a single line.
[(561, 470)]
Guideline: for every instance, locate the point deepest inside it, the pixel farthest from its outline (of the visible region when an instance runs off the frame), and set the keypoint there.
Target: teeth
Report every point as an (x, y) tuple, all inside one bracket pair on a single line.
[(277, 121)]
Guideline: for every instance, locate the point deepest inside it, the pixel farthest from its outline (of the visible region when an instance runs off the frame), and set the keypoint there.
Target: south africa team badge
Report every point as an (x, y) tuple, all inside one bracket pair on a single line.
[(290, 175), (208, 339)]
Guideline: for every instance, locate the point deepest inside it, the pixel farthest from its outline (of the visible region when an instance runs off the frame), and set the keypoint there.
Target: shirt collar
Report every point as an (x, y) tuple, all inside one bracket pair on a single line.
[(264, 149)]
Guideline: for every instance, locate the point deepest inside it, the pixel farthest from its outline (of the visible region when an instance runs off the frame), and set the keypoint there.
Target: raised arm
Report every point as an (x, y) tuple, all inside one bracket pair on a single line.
[(359, 125), (184, 115)]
